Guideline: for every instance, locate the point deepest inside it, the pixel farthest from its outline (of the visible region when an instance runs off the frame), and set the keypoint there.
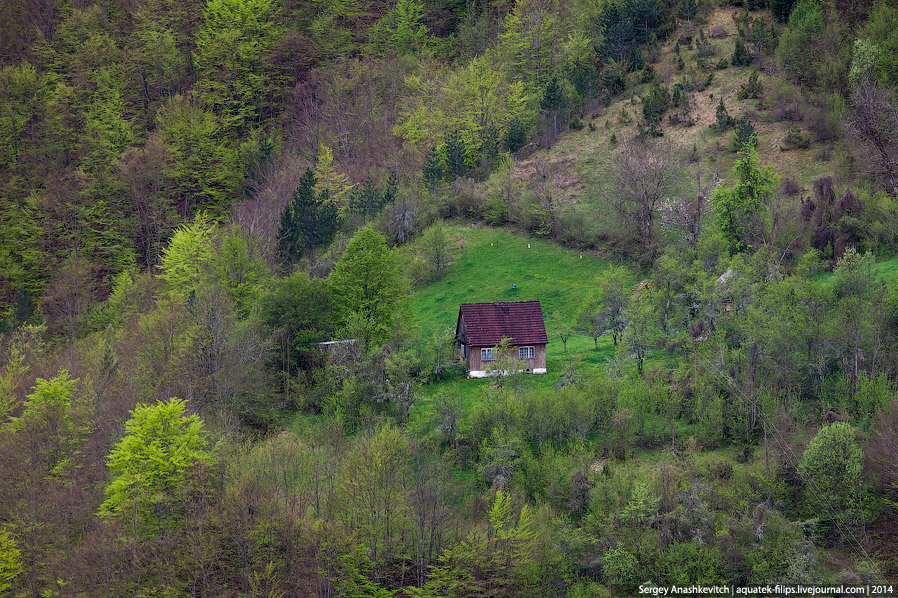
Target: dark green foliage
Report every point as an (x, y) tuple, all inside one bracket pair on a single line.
[(723, 120), (583, 76), (781, 9), (553, 100), (515, 136), (740, 209), (740, 57), (744, 135), (614, 76), (688, 9), (301, 312), (369, 288), (752, 88), (618, 34), (456, 156), (368, 200), (308, 221), (654, 105), (433, 169), (795, 139)]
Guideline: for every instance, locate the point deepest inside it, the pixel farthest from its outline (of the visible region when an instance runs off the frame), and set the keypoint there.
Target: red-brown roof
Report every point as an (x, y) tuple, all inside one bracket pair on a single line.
[(486, 324)]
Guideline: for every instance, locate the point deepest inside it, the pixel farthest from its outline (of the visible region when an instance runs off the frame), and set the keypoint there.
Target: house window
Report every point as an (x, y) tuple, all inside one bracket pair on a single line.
[(487, 354), (525, 352)]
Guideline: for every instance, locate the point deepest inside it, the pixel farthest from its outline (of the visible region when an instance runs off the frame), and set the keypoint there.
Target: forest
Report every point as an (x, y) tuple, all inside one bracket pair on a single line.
[(196, 194)]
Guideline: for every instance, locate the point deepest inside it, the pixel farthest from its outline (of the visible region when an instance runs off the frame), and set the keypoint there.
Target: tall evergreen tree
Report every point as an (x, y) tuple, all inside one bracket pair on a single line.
[(553, 100), (515, 136), (456, 156), (308, 221), (433, 170)]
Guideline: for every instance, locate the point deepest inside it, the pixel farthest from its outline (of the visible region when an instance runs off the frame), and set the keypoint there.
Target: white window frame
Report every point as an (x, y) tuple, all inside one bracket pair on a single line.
[(488, 354), (531, 352)]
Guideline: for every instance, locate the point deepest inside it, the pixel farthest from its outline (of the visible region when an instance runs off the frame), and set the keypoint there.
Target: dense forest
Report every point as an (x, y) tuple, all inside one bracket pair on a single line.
[(194, 195)]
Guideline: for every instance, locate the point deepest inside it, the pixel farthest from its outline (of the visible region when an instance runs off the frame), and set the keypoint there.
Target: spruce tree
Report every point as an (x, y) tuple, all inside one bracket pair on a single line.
[(745, 135), (432, 171), (724, 120), (515, 136), (456, 156), (308, 221), (741, 57)]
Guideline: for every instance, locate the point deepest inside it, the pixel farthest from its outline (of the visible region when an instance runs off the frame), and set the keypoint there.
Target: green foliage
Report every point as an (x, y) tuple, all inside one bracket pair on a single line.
[(827, 64), (620, 569), (10, 562), (241, 273), (151, 461), (740, 209), (433, 169), (654, 104), (368, 287), (740, 57), (831, 467), (686, 563), (603, 312), (309, 220), (187, 257), (781, 9), (204, 165), (744, 135), (232, 46), (752, 88), (880, 39), (54, 420), (515, 136), (863, 62), (456, 156), (330, 182), (401, 30), (723, 120), (301, 310)]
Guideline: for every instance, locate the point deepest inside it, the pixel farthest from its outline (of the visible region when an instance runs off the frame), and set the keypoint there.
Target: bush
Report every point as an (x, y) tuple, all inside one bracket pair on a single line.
[(789, 186), (740, 57), (795, 140), (744, 135), (752, 88), (831, 468), (824, 122), (724, 120)]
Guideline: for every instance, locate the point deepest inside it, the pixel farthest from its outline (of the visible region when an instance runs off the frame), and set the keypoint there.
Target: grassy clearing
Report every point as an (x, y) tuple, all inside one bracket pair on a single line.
[(491, 261), (488, 263)]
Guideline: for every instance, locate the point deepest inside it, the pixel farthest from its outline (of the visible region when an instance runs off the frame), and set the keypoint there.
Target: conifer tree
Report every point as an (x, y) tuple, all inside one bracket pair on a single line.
[(308, 221)]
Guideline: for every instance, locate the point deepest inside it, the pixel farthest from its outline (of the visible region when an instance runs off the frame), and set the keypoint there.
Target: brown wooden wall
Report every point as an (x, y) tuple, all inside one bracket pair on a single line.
[(538, 361)]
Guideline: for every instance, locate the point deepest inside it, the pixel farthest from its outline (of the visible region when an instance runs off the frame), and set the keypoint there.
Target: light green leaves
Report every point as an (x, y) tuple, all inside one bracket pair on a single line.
[(160, 444)]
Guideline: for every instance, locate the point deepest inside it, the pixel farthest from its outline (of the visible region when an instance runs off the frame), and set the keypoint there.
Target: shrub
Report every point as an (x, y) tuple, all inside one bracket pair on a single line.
[(789, 186), (752, 88), (744, 135), (740, 57), (795, 140), (724, 120)]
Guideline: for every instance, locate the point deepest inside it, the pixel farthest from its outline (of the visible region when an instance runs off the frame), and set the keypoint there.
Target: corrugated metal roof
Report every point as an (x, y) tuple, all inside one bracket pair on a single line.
[(486, 324)]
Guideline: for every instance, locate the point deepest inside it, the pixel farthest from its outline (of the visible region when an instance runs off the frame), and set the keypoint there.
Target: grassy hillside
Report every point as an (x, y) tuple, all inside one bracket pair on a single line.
[(487, 263), (575, 166)]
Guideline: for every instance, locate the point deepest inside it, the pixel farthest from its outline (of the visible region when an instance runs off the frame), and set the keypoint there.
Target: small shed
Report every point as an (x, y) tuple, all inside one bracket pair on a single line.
[(482, 326)]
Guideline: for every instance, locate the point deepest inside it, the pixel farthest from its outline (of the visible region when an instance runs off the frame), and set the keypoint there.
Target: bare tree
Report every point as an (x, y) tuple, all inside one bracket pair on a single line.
[(873, 123), (643, 175)]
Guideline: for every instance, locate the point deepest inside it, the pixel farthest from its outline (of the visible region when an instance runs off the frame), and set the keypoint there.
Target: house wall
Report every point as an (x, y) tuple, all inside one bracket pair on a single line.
[(478, 368)]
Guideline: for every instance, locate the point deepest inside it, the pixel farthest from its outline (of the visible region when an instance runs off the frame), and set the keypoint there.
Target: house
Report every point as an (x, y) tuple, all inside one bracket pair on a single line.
[(482, 326)]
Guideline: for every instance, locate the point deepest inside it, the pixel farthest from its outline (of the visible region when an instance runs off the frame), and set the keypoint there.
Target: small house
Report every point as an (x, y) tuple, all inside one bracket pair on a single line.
[(482, 326)]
